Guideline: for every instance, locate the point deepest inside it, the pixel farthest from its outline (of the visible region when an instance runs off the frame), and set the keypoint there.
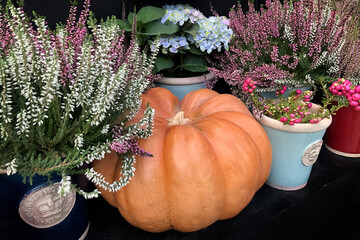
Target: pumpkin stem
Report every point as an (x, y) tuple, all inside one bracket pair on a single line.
[(178, 119)]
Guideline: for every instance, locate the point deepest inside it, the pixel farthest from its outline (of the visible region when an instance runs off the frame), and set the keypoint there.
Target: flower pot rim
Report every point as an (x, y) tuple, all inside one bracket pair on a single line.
[(297, 127), (185, 80)]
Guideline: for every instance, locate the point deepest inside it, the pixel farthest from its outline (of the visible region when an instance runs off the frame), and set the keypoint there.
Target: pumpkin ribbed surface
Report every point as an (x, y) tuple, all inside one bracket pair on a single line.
[(210, 157)]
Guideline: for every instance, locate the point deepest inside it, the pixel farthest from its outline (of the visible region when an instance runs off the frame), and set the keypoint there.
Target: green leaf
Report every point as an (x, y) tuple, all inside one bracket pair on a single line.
[(194, 63), (156, 27), (124, 25), (194, 50), (148, 14), (163, 63), (130, 18), (191, 29)]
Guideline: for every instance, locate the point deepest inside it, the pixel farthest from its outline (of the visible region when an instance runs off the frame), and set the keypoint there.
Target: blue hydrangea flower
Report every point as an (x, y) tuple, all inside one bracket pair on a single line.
[(180, 13), (214, 33), (173, 43)]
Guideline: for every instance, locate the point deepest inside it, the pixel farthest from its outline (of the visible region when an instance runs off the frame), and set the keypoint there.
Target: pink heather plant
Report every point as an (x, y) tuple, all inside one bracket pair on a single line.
[(297, 108), (290, 44), (349, 66), (6, 37)]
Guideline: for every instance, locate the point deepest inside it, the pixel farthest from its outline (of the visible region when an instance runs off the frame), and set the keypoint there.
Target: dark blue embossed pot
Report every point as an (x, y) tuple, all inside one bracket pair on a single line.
[(37, 212)]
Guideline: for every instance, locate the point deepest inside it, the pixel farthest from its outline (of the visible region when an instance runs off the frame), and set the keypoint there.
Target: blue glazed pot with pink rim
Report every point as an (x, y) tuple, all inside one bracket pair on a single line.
[(37, 212), (183, 85), (295, 149)]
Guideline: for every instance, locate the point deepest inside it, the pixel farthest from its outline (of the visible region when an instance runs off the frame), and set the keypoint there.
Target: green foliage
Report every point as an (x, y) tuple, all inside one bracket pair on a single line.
[(176, 28)]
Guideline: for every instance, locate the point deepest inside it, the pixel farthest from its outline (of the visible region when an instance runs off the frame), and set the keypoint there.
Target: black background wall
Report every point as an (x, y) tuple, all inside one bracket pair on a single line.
[(57, 10)]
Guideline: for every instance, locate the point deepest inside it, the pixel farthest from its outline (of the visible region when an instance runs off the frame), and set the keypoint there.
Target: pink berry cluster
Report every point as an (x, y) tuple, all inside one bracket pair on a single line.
[(249, 86), (294, 109), (343, 87), (282, 91)]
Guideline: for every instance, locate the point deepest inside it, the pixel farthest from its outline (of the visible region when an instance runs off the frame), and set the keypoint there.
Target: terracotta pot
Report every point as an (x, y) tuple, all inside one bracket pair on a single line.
[(343, 135), (182, 86), (295, 149)]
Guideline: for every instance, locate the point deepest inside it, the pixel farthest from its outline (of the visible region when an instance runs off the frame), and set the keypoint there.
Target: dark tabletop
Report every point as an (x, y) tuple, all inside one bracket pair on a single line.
[(327, 208)]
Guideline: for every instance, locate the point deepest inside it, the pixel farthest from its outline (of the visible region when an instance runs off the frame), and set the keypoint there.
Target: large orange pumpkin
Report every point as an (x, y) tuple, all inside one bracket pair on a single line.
[(210, 157)]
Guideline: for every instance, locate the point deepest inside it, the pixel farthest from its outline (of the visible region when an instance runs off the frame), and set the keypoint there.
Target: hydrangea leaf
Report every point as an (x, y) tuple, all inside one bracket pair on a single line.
[(194, 50), (157, 27), (124, 25), (163, 63), (194, 63), (148, 14), (192, 29)]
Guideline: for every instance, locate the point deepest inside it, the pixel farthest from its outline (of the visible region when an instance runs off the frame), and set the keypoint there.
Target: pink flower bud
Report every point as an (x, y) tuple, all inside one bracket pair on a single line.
[(356, 97), (298, 120), (357, 108), (351, 91), (339, 93), (284, 88), (251, 90), (282, 91), (298, 92), (291, 123), (353, 103), (307, 96), (347, 88), (292, 115), (309, 105), (357, 89), (312, 121), (247, 81)]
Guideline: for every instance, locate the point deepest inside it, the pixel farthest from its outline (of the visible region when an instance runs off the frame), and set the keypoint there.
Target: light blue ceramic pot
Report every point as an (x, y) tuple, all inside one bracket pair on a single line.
[(182, 86), (294, 150)]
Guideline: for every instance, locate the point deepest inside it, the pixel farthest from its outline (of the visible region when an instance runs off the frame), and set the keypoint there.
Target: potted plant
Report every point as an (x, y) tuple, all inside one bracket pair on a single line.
[(290, 44), (186, 37), (66, 99), (295, 127), (343, 135)]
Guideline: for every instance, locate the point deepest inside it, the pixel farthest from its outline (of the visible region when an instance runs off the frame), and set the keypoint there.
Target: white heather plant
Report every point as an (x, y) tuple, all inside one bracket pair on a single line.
[(67, 97)]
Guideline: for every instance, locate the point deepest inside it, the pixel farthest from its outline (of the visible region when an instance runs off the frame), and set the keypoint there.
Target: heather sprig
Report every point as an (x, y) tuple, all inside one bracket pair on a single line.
[(285, 44), (66, 93)]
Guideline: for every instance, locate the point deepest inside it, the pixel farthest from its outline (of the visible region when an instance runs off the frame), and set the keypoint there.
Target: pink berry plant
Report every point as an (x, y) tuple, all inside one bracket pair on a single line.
[(297, 108), (283, 44), (345, 88)]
